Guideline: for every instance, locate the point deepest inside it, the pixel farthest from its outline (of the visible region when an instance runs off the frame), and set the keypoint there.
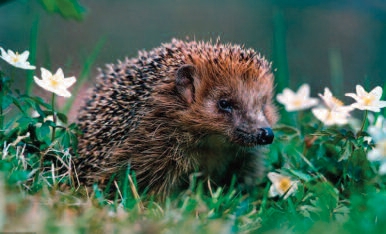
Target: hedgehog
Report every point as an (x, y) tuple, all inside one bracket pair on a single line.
[(185, 108)]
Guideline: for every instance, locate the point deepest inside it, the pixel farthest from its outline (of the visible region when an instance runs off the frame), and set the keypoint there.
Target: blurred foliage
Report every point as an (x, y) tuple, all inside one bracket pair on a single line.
[(68, 9)]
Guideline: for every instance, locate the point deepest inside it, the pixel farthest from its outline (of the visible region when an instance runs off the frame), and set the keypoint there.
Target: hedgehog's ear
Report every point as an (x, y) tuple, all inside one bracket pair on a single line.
[(185, 77)]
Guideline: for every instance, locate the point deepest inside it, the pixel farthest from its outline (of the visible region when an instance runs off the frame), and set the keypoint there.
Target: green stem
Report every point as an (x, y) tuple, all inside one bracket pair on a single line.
[(1, 103), (53, 118), (1, 112), (309, 142), (363, 123)]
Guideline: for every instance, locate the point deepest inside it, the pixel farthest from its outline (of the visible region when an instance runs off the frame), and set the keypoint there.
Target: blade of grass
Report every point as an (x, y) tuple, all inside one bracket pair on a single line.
[(336, 69), (141, 207), (280, 50), (86, 70), (32, 57), (280, 60)]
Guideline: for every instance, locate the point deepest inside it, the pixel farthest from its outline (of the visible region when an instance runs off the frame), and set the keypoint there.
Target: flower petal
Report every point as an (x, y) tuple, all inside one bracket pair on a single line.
[(24, 56), (382, 168), (62, 92), (353, 95), (381, 104), (2, 51), (4, 55), (59, 73), (42, 83), (304, 91), (11, 53), (288, 93), (292, 189), (68, 82), (25, 65), (360, 91), (377, 92), (281, 99), (320, 113), (46, 74), (327, 92), (274, 177), (272, 191)]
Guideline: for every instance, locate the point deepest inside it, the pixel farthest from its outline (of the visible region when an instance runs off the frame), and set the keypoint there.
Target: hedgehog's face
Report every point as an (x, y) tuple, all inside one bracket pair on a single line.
[(239, 108)]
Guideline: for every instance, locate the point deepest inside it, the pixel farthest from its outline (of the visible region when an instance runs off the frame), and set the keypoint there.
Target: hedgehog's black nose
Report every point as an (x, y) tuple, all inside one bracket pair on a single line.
[(265, 136)]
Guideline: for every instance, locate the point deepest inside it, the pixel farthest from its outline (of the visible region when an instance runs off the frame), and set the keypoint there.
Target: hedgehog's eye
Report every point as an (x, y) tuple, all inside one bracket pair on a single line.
[(225, 105)]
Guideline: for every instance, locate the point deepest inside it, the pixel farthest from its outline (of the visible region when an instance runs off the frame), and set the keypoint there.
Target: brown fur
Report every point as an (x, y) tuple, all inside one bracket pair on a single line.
[(143, 114)]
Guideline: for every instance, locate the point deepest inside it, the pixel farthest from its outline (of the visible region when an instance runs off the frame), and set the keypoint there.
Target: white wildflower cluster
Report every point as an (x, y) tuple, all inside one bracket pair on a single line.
[(333, 111), (377, 131), (55, 83)]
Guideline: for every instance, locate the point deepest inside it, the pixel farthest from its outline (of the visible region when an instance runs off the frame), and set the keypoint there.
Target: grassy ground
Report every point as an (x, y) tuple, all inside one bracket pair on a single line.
[(338, 188)]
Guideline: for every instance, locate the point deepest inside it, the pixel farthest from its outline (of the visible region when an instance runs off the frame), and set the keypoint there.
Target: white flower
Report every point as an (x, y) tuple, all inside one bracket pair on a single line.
[(16, 59), (55, 83), (297, 101), (379, 154), (368, 101), (330, 117), (334, 111), (377, 129), (35, 114), (281, 185)]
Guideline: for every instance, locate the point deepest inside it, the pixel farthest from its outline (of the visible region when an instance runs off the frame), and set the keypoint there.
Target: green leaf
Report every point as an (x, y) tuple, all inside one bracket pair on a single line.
[(40, 111), (68, 9), (66, 140), (301, 175), (7, 101), (74, 141), (25, 121), (17, 177), (288, 130), (62, 117), (22, 108), (39, 101), (346, 151), (44, 130)]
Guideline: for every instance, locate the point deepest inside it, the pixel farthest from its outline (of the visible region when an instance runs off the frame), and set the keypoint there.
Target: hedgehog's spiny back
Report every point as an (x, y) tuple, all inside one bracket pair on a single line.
[(123, 92)]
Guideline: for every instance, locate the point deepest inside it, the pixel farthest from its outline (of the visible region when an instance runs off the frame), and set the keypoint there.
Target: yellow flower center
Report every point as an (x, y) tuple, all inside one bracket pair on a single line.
[(54, 81), (16, 58), (336, 101), (329, 116), (297, 102), (284, 184), (368, 100)]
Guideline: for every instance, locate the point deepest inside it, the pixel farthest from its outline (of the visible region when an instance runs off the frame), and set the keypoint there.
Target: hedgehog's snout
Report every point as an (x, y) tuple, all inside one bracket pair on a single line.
[(248, 137), (265, 136)]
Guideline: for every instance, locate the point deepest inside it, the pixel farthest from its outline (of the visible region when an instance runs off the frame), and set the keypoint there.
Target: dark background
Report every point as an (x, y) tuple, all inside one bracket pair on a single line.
[(324, 43)]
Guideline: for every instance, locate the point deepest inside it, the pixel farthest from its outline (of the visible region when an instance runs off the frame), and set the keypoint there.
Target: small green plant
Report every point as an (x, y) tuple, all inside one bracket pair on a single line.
[(37, 145), (327, 163)]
